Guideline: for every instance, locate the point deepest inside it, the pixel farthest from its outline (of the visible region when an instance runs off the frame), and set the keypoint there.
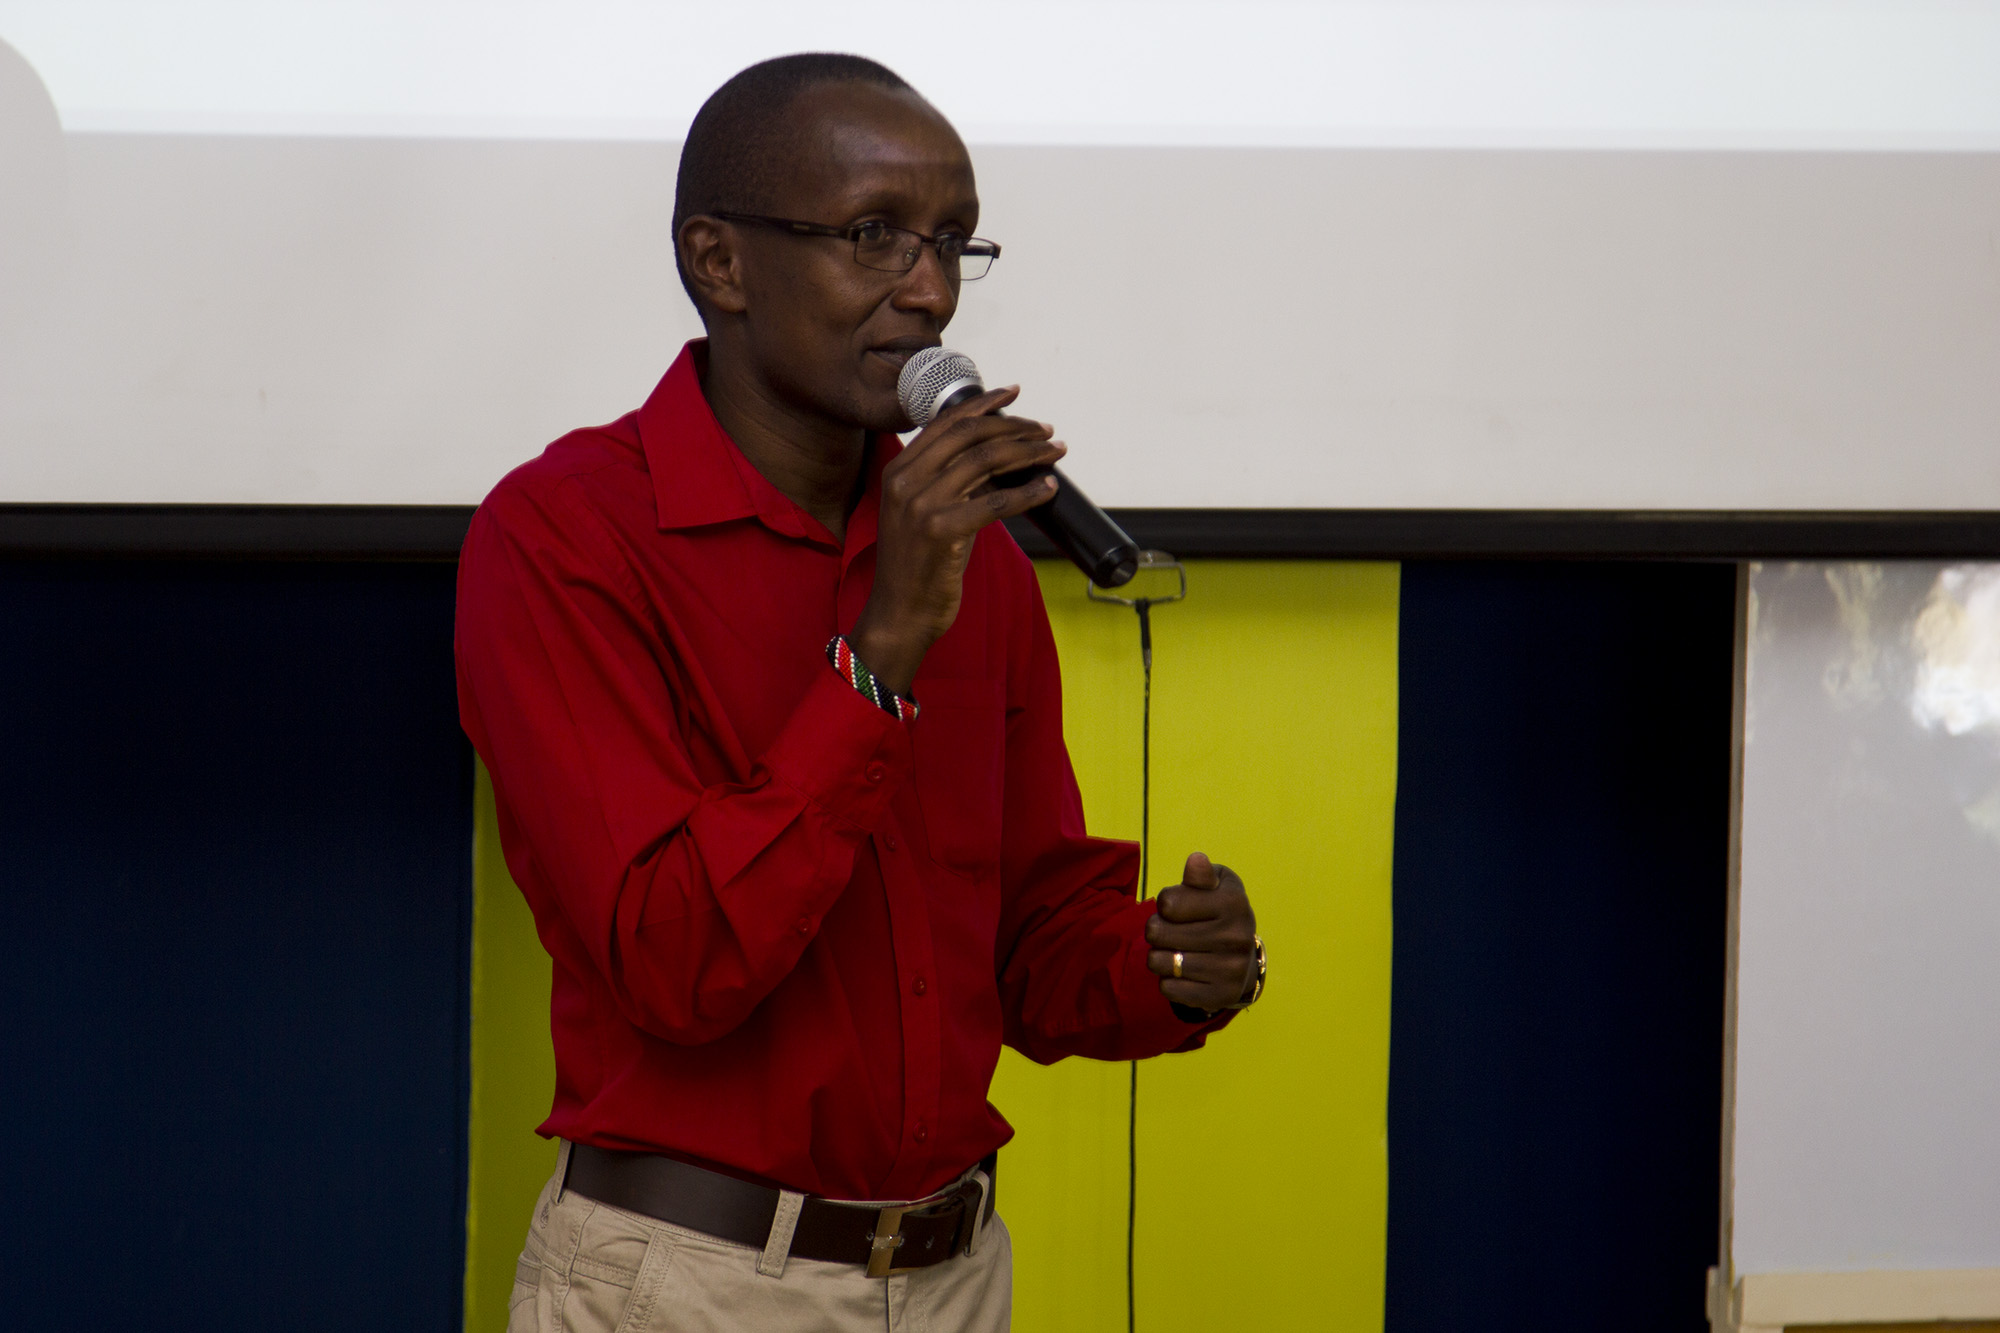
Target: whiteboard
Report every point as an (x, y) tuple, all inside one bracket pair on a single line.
[(1867, 1046), (380, 254)]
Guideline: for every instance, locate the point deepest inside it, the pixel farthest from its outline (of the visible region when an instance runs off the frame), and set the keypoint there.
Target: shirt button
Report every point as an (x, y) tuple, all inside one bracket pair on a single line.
[(805, 925), (923, 1134), (919, 985), (889, 841), (876, 772)]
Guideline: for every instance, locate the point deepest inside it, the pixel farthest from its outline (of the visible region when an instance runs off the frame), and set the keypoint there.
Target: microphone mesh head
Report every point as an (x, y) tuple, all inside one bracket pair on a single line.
[(931, 375)]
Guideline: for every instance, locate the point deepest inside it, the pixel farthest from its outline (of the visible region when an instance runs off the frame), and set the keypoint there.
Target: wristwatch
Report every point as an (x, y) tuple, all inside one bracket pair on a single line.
[(1187, 1013)]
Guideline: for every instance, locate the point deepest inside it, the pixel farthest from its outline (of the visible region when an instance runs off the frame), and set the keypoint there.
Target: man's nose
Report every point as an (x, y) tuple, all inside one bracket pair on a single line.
[(926, 287)]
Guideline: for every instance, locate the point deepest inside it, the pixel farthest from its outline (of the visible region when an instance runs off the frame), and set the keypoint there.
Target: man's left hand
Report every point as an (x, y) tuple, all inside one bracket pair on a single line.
[(1206, 919)]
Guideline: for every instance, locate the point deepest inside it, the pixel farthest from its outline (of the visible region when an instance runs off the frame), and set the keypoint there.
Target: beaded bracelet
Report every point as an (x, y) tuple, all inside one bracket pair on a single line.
[(841, 653)]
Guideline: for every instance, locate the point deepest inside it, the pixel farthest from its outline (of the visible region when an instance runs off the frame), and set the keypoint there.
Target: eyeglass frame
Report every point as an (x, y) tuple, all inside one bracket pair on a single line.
[(852, 234)]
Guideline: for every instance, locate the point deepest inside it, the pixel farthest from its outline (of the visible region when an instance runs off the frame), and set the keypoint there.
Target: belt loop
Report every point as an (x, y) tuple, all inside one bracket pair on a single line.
[(778, 1246), (562, 1168)]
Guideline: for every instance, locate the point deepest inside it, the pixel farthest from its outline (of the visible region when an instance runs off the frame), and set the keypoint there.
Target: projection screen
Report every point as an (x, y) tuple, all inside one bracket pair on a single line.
[(1427, 255)]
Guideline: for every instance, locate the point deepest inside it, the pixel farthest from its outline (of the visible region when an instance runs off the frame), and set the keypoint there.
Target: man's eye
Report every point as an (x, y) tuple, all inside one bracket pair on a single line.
[(872, 233), (951, 244)]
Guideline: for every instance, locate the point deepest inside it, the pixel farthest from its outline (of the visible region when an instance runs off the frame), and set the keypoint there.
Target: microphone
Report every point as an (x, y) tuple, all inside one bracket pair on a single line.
[(937, 379)]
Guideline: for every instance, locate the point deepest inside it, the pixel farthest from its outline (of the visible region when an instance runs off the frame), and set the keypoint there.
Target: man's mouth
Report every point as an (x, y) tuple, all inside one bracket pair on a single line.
[(898, 351)]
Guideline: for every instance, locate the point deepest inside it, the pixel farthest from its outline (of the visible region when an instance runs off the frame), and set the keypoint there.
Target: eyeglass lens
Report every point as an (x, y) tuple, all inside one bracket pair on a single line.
[(897, 251)]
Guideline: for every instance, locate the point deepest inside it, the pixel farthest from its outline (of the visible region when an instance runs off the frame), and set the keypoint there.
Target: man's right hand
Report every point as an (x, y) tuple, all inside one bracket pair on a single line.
[(936, 496)]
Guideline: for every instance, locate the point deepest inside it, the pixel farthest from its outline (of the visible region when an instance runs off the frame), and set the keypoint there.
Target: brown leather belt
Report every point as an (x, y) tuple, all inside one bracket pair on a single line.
[(887, 1240)]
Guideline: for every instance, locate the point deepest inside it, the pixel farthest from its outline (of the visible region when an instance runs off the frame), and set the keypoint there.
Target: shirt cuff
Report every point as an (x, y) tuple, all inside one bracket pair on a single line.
[(1156, 1025), (842, 753)]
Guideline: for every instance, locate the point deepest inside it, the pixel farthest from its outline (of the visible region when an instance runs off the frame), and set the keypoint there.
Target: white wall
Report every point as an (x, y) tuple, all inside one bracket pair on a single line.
[(1867, 1079), (1851, 74)]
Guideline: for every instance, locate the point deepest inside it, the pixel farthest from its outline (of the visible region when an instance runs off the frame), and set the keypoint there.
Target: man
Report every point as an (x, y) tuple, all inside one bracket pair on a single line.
[(774, 721)]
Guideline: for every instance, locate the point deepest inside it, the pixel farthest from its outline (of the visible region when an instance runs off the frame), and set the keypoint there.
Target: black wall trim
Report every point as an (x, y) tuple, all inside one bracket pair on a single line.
[(234, 532), (435, 532), (1408, 534)]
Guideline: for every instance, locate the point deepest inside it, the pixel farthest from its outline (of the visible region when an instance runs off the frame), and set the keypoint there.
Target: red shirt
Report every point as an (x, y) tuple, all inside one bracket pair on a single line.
[(790, 932)]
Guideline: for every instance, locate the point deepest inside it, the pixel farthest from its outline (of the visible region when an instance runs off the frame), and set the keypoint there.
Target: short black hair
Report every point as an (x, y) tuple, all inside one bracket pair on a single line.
[(732, 158)]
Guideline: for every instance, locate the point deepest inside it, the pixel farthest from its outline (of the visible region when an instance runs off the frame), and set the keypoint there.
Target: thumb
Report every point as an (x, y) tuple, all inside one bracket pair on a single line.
[(1200, 872)]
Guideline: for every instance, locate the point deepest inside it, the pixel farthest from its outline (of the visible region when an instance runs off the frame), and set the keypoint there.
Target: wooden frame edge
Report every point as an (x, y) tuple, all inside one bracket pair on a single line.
[(1770, 1302), (1722, 1278)]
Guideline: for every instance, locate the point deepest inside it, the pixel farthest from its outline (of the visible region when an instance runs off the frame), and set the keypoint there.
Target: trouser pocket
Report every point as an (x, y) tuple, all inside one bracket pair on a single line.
[(615, 1273), (581, 1265)]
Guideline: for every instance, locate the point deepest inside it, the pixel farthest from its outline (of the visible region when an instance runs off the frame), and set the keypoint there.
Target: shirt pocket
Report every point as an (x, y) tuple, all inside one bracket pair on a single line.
[(960, 742)]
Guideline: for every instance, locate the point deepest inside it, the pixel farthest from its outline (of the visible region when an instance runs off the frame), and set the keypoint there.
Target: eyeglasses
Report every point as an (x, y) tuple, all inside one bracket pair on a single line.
[(878, 245)]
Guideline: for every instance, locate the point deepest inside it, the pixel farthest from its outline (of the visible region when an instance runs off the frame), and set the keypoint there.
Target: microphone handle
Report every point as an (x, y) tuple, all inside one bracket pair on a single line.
[(1079, 529)]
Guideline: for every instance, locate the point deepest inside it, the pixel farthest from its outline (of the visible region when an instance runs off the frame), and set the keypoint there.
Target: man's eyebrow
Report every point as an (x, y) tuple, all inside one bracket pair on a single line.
[(897, 206)]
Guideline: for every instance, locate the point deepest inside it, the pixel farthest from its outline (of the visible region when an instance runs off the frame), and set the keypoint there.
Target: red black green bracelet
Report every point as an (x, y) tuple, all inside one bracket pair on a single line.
[(841, 653)]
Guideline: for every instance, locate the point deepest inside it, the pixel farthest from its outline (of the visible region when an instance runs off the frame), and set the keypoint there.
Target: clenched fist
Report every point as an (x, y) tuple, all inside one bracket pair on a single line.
[(1207, 921)]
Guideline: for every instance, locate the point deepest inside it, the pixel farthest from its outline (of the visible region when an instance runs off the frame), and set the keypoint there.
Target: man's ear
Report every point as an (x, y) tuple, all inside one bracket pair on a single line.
[(711, 252)]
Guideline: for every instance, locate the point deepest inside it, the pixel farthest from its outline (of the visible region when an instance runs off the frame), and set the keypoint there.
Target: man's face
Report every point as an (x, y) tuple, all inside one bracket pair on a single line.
[(826, 333)]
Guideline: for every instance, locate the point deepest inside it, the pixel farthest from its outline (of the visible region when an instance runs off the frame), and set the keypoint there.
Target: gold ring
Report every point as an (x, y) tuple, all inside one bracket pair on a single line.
[(1177, 966)]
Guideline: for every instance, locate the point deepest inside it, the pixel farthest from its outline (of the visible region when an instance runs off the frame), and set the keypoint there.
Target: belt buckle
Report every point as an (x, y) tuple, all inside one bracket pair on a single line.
[(888, 1239)]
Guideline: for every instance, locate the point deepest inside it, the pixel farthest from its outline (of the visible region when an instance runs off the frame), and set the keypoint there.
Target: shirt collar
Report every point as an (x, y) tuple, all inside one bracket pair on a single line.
[(700, 476)]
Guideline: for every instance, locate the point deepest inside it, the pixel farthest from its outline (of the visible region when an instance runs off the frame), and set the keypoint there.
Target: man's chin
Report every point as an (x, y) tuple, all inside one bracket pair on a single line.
[(874, 415), (860, 406)]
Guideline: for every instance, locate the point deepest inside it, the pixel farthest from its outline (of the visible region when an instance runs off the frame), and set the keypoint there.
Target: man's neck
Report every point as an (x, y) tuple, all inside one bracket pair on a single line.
[(815, 462)]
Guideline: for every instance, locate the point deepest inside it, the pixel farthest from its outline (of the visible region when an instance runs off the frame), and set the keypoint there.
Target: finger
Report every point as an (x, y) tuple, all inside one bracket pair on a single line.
[(1208, 969), (987, 404), (980, 404), (1185, 902), (1200, 995), (969, 516), (1225, 934), (973, 435), (1200, 872), (993, 462)]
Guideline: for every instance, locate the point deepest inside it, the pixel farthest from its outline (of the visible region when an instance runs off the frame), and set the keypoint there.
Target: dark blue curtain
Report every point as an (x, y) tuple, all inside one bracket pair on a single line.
[(235, 813), (1560, 896)]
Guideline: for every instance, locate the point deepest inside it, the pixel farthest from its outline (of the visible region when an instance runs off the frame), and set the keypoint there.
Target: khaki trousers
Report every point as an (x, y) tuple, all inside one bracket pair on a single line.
[(591, 1268)]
